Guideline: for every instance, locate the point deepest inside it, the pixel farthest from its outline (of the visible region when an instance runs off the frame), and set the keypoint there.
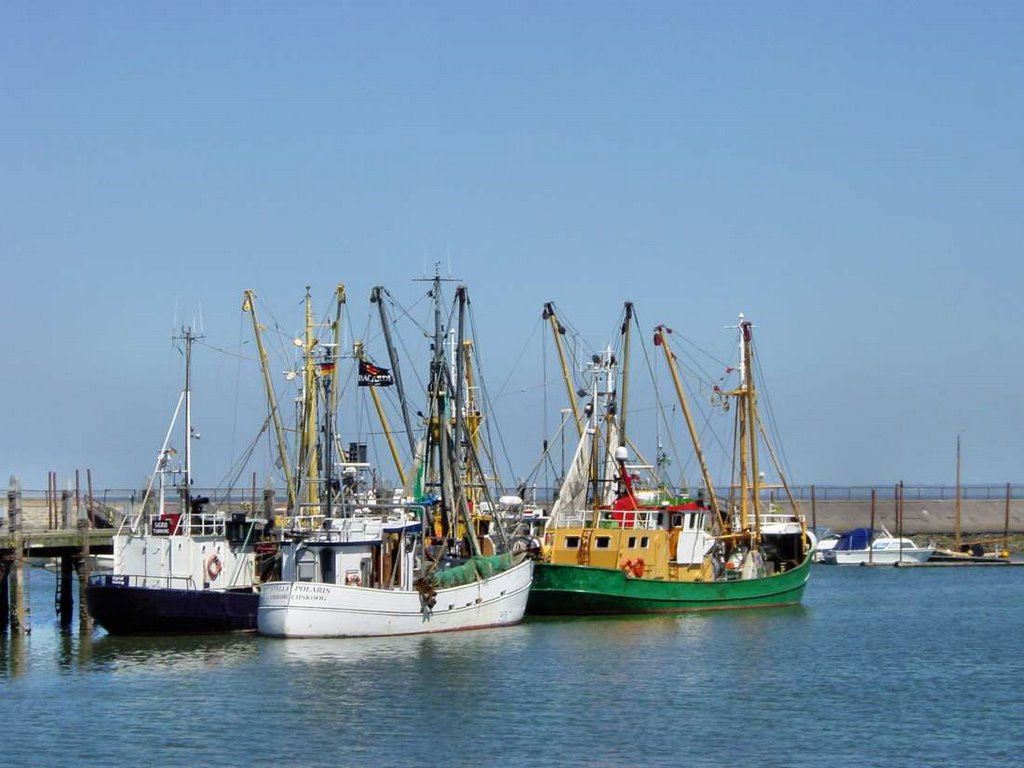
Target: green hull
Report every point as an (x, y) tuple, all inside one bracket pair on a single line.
[(574, 590)]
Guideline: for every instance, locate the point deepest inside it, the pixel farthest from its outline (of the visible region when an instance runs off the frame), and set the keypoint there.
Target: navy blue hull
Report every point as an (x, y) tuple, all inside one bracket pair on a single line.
[(125, 610)]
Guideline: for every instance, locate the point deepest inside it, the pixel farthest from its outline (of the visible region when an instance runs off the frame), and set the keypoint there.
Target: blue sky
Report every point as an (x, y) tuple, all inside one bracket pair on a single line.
[(849, 175)]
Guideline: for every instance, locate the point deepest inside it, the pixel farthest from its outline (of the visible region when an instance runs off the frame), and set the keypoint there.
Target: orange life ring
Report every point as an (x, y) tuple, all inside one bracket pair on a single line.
[(638, 567), (213, 566)]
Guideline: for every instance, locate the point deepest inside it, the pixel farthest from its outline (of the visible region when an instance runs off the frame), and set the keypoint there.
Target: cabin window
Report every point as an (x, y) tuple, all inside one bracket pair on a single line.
[(305, 568), (643, 542), (677, 521), (661, 518), (632, 542), (603, 542), (572, 542)]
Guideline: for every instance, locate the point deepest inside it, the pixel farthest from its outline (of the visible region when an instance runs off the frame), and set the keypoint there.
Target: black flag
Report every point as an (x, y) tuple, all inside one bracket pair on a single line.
[(371, 375)]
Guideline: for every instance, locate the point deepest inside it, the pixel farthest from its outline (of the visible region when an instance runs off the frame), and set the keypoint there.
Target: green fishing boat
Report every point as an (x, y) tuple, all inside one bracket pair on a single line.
[(612, 547)]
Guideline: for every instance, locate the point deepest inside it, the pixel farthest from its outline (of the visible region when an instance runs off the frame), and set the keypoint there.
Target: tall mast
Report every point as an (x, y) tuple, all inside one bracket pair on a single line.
[(460, 382), (660, 339), (750, 406), (329, 378), (558, 330), (248, 305), (309, 455), (186, 487), (459, 438), (339, 296), (189, 337), (624, 400), (377, 296)]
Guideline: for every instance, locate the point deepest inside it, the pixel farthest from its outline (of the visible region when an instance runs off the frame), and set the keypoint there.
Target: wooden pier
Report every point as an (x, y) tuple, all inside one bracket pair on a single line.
[(74, 531)]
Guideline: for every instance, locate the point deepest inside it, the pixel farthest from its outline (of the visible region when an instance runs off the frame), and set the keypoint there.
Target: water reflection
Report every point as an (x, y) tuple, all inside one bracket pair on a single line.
[(165, 654), (13, 655)]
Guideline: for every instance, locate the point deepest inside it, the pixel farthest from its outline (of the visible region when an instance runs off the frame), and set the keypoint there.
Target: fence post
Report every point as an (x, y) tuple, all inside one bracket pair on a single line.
[(814, 510)]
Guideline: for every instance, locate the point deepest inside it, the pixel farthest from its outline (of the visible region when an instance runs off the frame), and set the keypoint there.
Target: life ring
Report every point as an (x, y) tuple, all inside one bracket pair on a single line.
[(627, 567), (213, 566), (638, 567)]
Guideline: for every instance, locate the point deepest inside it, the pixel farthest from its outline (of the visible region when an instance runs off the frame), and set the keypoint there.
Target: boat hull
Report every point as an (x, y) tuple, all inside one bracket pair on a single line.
[(883, 557), (132, 610), (577, 590), (311, 609)]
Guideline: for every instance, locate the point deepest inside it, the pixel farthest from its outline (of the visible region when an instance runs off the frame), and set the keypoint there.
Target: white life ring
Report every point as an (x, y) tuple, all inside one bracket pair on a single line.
[(213, 566)]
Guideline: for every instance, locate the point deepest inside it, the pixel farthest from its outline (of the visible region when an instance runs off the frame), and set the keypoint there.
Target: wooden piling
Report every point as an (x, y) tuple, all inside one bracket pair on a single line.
[(85, 571), (68, 521), (66, 606), (19, 616), (5, 604)]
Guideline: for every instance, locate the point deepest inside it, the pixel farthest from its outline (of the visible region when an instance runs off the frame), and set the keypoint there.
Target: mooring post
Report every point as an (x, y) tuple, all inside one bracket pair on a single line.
[(67, 511), (85, 570), (5, 604), (67, 603), (18, 613), (268, 504)]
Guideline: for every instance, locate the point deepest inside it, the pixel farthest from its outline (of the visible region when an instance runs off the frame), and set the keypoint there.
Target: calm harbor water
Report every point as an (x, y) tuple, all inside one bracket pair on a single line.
[(879, 666)]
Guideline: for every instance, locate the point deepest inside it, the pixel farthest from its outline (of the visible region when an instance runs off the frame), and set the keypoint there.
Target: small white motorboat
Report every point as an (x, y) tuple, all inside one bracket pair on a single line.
[(863, 546)]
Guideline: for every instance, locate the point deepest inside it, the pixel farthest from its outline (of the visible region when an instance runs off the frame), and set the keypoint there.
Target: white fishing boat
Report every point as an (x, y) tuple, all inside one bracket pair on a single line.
[(178, 567), (362, 577), (352, 566), (863, 546)]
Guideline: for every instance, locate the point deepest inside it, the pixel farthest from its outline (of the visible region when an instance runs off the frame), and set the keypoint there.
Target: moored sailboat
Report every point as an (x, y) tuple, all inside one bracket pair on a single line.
[(612, 548)]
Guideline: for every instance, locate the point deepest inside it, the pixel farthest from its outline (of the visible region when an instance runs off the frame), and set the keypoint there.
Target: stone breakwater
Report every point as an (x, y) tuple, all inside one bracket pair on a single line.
[(920, 516)]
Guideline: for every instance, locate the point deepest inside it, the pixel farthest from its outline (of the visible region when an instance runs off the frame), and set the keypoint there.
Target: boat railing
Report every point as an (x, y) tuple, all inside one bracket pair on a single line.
[(366, 517), (614, 518), (775, 518), (142, 580)]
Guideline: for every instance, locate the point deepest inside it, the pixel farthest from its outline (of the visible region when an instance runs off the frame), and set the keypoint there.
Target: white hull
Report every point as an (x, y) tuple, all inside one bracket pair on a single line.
[(888, 557), (316, 609)]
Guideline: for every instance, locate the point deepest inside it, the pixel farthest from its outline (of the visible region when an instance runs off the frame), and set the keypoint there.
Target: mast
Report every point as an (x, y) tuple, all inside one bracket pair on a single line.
[(661, 340), (248, 305), (332, 404), (328, 370), (189, 337), (377, 296), (626, 326), (558, 330), (749, 405), (460, 380), (308, 453), (186, 484), (457, 443)]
